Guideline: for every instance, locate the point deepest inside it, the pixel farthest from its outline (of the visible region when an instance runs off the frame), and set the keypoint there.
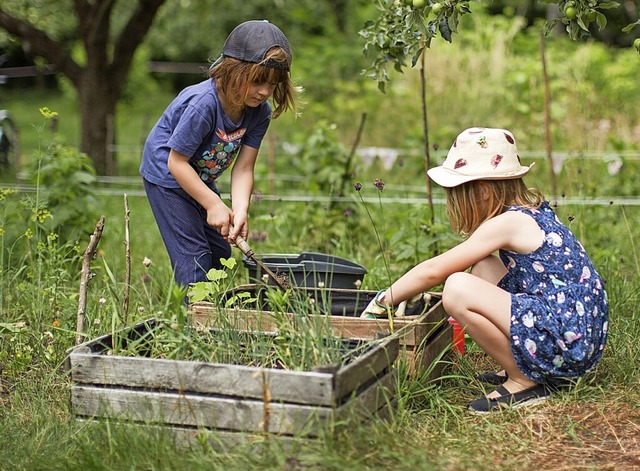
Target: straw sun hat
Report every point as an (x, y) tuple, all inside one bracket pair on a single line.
[(480, 154)]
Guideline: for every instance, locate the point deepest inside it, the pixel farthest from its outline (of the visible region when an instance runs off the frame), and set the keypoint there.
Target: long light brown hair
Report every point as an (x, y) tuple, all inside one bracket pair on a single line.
[(474, 202), (233, 78)]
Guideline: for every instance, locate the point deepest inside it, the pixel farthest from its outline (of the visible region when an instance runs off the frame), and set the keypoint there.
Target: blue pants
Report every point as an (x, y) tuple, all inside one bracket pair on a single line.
[(194, 247)]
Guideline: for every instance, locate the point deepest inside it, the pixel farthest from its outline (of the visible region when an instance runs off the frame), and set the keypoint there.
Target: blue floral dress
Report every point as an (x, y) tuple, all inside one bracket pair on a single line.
[(559, 308)]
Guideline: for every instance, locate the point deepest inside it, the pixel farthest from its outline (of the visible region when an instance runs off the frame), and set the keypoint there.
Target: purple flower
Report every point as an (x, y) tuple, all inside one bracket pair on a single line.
[(358, 186), (379, 184)]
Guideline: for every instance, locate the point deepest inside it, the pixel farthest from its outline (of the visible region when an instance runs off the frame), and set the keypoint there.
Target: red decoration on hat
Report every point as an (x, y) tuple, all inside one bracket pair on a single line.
[(459, 163), (495, 160), (509, 138)]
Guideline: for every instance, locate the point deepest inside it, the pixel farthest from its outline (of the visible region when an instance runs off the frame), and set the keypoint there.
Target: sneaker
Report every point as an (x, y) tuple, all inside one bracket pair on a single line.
[(528, 397), (492, 378)]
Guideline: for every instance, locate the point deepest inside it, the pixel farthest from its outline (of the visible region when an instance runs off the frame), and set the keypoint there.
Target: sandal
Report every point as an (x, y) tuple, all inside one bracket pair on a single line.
[(528, 397), (492, 378)]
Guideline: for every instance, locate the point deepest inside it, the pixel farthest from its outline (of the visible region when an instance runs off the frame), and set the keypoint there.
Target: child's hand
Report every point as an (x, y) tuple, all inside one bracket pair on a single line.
[(221, 218), (376, 308)]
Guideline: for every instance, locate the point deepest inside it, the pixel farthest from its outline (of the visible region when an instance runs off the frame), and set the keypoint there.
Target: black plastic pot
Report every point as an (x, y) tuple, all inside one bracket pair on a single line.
[(308, 269)]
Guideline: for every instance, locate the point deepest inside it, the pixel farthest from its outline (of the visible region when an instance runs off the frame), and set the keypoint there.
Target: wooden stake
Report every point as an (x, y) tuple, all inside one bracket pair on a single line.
[(85, 277), (127, 251), (425, 131), (547, 117)]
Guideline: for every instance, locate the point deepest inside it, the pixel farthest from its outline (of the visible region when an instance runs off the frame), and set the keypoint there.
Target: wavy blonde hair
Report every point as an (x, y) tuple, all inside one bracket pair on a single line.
[(474, 202), (233, 78)]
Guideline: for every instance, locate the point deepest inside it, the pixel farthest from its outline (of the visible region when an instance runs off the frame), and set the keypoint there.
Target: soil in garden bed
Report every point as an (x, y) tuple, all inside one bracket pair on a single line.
[(325, 301)]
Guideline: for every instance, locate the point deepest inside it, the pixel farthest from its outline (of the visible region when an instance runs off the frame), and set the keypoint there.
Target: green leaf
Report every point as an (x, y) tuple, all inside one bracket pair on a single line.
[(199, 292), (216, 275), (414, 59), (629, 27), (601, 20), (5, 327), (581, 23), (229, 263), (443, 27), (608, 5)]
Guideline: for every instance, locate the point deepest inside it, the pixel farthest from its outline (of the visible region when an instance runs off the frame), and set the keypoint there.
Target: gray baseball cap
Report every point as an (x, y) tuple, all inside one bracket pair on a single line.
[(251, 40)]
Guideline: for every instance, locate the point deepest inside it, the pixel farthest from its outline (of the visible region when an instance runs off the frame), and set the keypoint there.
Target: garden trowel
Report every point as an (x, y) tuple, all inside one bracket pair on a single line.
[(282, 281)]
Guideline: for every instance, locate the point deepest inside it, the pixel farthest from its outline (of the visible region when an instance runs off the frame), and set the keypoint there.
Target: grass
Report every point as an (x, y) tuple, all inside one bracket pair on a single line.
[(592, 426)]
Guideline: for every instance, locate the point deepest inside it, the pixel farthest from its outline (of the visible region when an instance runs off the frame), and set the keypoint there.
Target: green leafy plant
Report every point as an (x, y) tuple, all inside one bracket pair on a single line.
[(579, 14), (220, 281), (65, 179), (402, 30)]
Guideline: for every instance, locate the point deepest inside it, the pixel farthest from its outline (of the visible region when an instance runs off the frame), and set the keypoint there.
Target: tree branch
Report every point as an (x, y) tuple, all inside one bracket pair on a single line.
[(131, 36), (42, 45)]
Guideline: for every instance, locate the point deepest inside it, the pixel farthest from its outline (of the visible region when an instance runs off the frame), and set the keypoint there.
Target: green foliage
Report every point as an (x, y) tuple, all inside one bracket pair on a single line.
[(297, 350), (37, 277), (65, 180), (401, 32), (324, 161), (578, 15), (220, 281)]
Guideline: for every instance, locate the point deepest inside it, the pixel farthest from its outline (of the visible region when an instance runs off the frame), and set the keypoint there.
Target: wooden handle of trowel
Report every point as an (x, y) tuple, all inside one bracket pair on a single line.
[(243, 246), (248, 251)]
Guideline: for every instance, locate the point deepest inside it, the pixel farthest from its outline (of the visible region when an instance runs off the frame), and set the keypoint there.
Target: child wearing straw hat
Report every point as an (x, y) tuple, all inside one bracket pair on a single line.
[(209, 127), (520, 283)]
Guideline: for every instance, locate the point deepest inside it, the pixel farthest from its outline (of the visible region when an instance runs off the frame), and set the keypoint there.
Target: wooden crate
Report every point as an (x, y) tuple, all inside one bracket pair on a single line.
[(425, 336), (234, 400)]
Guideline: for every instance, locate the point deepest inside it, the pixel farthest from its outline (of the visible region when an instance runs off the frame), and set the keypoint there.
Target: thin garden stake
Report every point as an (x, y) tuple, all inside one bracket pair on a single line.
[(425, 132), (127, 251), (547, 117), (354, 148), (85, 277)]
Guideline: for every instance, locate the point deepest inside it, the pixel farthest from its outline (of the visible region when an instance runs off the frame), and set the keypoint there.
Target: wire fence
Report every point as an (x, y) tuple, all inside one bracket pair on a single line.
[(132, 186), (291, 186)]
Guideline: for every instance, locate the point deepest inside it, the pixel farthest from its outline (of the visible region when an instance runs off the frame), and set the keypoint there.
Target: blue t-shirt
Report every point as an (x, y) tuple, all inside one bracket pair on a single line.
[(196, 125)]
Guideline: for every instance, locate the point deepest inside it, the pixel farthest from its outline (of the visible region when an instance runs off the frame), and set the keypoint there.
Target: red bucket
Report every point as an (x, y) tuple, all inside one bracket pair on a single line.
[(458, 336)]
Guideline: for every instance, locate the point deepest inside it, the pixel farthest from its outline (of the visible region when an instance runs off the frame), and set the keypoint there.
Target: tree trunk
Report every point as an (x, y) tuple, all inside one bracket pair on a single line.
[(108, 61), (97, 104)]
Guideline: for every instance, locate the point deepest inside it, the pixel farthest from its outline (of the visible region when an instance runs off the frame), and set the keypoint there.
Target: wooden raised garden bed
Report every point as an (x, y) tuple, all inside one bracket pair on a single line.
[(230, 399), (424, 334)]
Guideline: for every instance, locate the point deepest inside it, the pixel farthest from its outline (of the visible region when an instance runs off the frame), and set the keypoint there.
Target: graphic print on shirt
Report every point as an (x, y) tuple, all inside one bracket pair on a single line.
[(217, 159)]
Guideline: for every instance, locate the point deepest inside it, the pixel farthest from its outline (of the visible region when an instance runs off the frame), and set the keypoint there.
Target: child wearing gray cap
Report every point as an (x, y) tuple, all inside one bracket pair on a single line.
[(209, 127)]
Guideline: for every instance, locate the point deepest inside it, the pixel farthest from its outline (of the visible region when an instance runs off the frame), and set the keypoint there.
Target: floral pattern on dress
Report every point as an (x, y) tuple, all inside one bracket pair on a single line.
[(559, 308)]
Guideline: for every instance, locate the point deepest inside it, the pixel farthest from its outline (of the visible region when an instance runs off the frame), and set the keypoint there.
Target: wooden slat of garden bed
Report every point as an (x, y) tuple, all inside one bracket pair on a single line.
[(411, 329), (427, 356), (378, 396), (352, 376), (200, 377), (193, 410)]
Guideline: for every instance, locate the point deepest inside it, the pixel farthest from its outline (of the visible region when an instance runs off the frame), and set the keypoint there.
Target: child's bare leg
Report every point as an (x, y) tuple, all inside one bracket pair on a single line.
[(484, 310), (492, 270)]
